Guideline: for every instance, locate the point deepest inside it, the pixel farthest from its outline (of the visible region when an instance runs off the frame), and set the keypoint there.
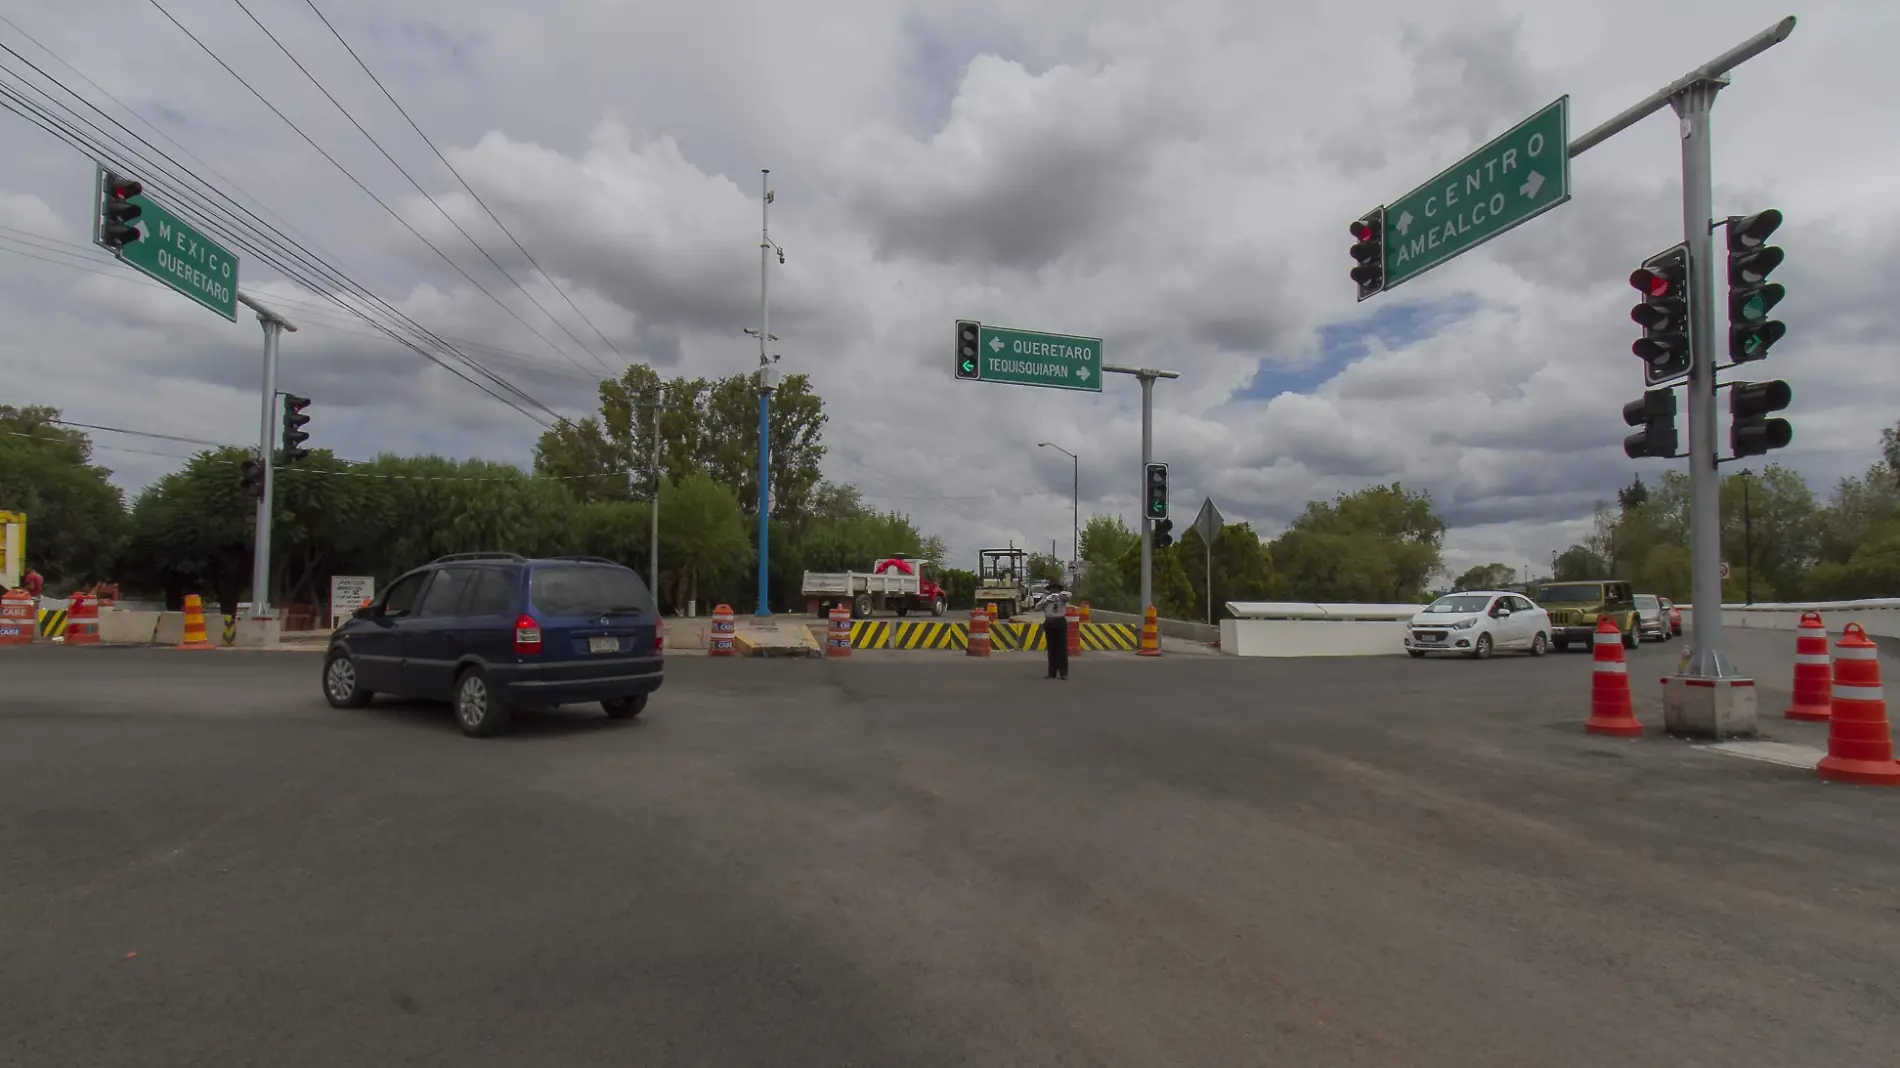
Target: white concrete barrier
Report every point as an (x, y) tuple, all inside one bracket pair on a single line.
[(1306, 628), (118, 626), (1879, 616)]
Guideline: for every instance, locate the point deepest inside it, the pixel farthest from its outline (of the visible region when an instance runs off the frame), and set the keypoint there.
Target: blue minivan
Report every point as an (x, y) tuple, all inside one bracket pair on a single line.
[(491, 632)]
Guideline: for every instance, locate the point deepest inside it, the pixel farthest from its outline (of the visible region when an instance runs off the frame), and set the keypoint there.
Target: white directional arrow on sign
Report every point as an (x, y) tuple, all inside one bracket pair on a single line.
[(1532, 185), (996, 344), (1082, 373), (1405, 223)]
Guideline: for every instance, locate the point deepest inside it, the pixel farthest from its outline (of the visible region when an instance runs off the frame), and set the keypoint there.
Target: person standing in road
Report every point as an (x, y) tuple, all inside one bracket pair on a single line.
[(1055, 628)]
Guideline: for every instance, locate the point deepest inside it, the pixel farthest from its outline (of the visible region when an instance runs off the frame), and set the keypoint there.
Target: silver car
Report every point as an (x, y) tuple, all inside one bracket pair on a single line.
[(1652, 619)]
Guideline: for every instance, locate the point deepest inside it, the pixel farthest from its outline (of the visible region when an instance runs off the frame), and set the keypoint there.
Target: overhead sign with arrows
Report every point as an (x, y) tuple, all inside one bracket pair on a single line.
[(1029, 357), (1516, 177)]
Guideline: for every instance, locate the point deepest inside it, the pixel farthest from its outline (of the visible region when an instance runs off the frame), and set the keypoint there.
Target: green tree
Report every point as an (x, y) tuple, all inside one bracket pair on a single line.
[(1111, 561), (702, 534), (1485, 577), (75, 516), (1378, 545), (1242, 569)]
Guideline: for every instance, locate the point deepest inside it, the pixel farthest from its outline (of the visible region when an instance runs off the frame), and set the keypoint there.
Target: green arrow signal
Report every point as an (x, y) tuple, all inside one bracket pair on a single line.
[(969, 365)]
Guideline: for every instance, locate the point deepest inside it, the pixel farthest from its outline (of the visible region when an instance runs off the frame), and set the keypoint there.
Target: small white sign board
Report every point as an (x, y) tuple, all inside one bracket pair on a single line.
[(347, 594)]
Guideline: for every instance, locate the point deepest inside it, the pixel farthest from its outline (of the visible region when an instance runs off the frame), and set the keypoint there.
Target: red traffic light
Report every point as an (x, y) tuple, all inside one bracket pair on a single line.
[(1651, 283), (1363, 230)]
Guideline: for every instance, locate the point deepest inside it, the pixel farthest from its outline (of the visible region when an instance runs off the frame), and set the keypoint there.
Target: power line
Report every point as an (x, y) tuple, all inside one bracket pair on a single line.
[(66, 131), (426, 195), (464, 182)]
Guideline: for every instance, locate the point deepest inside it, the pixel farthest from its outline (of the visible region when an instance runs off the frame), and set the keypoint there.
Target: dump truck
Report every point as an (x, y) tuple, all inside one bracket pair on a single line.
[(895, 584)]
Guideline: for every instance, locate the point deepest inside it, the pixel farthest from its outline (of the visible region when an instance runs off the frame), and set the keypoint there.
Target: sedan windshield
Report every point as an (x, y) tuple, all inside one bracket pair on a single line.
[(1460, 603)]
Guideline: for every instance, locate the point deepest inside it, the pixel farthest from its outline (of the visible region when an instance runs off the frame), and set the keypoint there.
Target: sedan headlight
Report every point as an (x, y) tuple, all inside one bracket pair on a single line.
[(1465, 624)]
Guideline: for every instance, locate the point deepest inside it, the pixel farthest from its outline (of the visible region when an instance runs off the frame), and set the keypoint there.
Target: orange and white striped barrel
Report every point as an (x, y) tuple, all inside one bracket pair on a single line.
[(82, 621), (719, 639), (1085, 612), (1610, 709), (1859, 739), (1813, 676), (979, 633), (838, 632)]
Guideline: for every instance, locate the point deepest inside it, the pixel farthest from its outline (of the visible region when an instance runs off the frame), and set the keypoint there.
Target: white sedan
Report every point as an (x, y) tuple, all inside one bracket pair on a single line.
[(1477, 623)]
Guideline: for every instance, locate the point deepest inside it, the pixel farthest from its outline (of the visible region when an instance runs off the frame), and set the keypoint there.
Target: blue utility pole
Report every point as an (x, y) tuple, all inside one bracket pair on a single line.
[(767, 382)]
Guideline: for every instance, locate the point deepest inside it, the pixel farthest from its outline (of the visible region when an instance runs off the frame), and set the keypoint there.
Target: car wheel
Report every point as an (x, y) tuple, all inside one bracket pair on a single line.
[(1482, 650), (903, 610), (1629, 639), (479, 710), (624, 707), (1416, 654), (1562, 645), (939, 606), (340, 684), (1537, 644)]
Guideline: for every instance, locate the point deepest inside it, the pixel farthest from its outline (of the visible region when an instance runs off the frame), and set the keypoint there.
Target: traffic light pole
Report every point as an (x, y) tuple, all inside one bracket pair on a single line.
[(1692, 95), (1147, 376), (1708, 659), (274, 326)]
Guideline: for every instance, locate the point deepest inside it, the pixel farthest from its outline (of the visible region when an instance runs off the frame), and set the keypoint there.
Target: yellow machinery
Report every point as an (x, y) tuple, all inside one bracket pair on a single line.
[(12, 549)]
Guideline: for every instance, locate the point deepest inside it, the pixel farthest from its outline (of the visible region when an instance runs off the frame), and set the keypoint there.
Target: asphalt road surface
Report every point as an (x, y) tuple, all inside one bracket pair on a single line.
[(919, 860)]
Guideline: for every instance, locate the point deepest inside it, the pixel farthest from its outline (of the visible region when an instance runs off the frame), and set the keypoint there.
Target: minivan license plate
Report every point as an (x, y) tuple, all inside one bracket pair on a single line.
[(603, 645)]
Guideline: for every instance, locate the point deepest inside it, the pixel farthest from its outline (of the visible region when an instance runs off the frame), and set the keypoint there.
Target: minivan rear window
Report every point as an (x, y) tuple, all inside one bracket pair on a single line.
[(588, 590)]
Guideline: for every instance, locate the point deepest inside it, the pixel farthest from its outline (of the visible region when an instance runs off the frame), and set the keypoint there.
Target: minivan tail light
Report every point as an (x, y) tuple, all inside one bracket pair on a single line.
[(527, 635)]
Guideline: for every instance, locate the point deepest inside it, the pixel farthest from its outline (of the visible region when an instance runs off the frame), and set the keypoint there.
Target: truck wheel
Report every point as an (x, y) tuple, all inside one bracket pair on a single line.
[(903, 608), (861, 608), (938, 606), (1629, 638)]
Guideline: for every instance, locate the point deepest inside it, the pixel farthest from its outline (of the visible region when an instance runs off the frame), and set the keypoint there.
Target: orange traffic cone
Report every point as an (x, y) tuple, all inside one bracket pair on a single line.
[(1150, 634), (1813, 687), (1610, 708), (1859, 741), (195, 624)]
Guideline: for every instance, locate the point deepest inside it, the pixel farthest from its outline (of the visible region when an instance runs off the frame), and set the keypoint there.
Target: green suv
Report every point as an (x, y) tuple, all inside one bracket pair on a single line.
[(1575, 608)]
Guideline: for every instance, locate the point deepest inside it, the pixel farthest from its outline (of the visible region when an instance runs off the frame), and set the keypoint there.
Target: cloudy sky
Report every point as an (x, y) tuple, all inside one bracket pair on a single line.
[(1175, 179)]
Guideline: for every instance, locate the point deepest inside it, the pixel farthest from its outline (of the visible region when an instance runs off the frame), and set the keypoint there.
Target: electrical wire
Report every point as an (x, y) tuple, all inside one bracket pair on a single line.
[(426, 195), (237, 232), (464, 182)]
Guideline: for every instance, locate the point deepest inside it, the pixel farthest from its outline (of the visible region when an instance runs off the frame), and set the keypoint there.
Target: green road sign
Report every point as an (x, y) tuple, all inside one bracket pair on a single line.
[(1518, 176), (1034, 358), (175, 253)]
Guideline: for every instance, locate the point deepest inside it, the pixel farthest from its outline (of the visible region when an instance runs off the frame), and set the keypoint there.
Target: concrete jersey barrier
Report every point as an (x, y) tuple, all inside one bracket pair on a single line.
[(1311, 628), (1879, 616)]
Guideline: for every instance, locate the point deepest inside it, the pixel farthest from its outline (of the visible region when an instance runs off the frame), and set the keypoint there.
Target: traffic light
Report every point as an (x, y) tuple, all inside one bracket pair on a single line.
[(1750, 295), (967, 353), (251, 477), (1656, 414), (294, 435), (1663, 281), (1368, 252), (1752, 433), (1164, 533), (1157, 482), (116, 211)]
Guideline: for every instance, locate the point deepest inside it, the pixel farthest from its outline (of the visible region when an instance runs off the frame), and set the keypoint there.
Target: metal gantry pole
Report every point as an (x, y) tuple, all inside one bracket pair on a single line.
[(274, 326), (1147, 376), (1707, 658), (1075, 510), (653, 534)]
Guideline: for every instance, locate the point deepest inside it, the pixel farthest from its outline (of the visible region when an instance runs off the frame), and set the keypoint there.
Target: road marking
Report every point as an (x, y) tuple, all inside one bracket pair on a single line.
[(1783, 753)]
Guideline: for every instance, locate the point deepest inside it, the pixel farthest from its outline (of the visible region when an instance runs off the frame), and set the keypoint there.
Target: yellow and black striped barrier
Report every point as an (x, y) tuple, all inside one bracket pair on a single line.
[(923, 635), (1011, 637), (1109, 637), (230, 631), (870, 634), (52, 622)]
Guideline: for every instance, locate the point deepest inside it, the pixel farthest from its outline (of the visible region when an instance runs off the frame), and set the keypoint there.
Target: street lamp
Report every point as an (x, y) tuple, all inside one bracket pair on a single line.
[(1075, 487)]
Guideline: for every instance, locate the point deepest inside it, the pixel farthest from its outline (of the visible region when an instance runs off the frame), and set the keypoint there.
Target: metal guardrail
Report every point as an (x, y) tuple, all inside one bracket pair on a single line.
[(1315, 611)]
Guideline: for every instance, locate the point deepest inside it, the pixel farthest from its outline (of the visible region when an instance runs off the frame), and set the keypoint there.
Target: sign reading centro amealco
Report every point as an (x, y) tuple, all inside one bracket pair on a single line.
[(1516, 177), (1038, 358)]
